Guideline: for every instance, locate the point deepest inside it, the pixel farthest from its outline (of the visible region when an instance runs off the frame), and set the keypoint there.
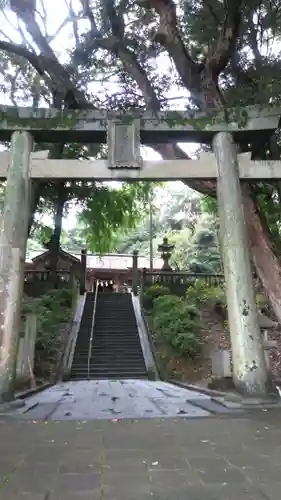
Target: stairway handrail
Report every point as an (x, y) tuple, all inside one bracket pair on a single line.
[(92, 327)]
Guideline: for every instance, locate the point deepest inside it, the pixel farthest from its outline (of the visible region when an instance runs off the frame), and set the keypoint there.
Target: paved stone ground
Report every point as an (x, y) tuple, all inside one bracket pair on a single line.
[(162, 459), (108, 399)]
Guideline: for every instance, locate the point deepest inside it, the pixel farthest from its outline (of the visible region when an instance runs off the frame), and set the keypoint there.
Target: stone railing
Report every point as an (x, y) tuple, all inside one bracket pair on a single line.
[(178, 281)]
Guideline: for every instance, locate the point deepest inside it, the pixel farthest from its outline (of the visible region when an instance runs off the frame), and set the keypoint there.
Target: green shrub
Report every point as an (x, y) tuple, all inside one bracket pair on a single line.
[(53, 310), (61, 297), (200, 293), (178, 323), (176, 320), (166, 303), (151, 293), (186, 343)]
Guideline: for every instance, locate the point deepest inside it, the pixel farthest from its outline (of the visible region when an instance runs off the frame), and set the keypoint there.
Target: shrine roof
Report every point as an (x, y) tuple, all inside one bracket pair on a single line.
[(101, 262)]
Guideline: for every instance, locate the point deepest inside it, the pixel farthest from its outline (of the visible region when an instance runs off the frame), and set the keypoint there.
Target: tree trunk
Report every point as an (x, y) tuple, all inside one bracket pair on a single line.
[(34, 200), (267, 264), (55, 242)]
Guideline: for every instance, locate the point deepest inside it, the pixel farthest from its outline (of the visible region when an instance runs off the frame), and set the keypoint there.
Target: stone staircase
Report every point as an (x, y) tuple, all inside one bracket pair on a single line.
[(116, 349)]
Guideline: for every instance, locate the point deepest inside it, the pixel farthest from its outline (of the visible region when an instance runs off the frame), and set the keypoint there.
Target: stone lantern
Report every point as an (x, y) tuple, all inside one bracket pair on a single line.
[(166, 250)]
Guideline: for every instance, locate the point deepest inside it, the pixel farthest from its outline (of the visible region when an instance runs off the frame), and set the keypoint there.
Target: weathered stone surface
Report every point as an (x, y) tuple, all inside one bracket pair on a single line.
[(91, 125), (249, 369), (162, 459), (109, 399), (13, 237)]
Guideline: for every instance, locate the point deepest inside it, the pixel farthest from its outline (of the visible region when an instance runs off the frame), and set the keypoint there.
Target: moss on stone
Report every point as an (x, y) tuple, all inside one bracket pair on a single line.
[(43, 118)]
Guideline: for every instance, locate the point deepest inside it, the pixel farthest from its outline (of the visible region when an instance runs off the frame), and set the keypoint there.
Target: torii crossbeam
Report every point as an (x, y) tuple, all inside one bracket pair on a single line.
[(205, 167), (91, 126)]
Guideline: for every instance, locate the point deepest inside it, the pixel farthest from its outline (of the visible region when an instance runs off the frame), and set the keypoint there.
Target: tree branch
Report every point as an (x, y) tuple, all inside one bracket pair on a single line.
[(19, 50), (54, 74), (253, 42), (25, 10), (219, 57), (200, 80), (117, 46), (169, 37), (89, 14), (173, 151), (74, 21), (214, 14), (115, 20)]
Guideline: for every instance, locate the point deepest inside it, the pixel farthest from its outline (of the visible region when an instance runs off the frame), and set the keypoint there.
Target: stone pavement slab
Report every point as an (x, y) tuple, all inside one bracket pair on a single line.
[(160, 459), (108, 399)]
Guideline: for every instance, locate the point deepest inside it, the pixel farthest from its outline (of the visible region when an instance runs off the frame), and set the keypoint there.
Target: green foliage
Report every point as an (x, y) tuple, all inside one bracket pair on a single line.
[(263, 305), (53, 311), (103, 213), (175, 208), (109, 211), (151, 293), (186, 343), (41, 233), (176, 320), (203, 256), (178, 216), (199, 293), (177, 323), (209, 204), (268, 198), (166, 303)]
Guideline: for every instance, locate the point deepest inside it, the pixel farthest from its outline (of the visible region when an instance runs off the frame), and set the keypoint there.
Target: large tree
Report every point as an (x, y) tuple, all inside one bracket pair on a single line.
[(102, 208), (220, 52)]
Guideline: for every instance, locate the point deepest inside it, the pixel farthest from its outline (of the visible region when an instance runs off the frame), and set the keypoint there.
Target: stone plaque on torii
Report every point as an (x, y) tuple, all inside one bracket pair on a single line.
[(123, 141), (221, 130)]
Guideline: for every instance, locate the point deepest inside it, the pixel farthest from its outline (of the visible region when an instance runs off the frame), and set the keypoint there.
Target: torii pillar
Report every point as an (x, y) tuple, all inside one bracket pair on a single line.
[(249, 367), (13, 240)]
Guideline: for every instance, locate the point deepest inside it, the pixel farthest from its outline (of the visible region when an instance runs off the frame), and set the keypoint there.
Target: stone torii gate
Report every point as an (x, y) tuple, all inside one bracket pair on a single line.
[(124, 135)]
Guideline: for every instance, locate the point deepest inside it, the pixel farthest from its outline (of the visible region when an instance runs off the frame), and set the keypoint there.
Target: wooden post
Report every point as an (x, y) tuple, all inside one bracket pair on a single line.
[(83, 271), (249, 368), (12, 257), (135, 273)]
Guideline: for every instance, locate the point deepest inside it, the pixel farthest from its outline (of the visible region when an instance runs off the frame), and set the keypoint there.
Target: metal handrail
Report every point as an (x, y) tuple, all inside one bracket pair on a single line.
[(92, 328)]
